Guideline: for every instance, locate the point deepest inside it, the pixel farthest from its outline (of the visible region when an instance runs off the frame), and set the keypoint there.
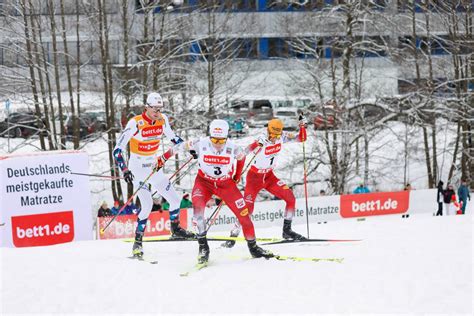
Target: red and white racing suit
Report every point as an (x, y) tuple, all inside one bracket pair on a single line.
[(261, 176), (215, 176)]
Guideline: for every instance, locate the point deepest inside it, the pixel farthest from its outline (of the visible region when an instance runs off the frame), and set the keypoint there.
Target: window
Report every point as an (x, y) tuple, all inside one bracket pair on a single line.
[(306, 47), (278, 48)]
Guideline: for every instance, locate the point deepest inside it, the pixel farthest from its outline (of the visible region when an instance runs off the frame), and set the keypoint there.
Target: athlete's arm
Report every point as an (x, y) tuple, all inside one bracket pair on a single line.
[(121, 146)]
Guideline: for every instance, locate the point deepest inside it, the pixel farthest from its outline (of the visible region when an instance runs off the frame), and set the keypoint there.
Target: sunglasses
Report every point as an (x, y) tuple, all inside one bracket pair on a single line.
[(155, 108), (218, 141)]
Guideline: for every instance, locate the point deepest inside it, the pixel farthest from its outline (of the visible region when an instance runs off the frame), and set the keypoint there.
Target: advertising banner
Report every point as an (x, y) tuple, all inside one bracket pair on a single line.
[(41, 203), (124, 225)]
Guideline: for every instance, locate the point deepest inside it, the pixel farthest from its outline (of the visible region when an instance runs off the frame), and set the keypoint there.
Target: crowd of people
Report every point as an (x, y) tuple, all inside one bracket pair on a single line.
[(453, 204)]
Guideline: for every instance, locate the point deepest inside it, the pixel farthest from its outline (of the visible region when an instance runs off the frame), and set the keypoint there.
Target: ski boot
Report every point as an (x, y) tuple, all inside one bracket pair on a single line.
[(137, 249), (288, 233), (203, 255), (233, 233), (258, 252), (179, 232)]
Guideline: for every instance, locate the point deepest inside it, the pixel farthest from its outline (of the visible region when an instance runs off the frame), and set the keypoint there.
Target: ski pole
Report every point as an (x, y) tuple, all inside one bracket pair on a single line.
[(213, 217), (176, 172), (305, 185), (102, 230), (97, 175), (182, 175)]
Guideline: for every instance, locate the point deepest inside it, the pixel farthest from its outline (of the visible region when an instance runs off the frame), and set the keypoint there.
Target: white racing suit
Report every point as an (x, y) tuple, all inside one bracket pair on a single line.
[(145, 136)]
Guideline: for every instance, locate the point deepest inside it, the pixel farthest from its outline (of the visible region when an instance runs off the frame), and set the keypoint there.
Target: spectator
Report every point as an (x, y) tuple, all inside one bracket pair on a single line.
[(114, 210), (104, 210), (185, 202), (463, 195), (448, 197), (407, 187), (361, 189), (156, 206), (440, 198), (165, 205), (322, 193)]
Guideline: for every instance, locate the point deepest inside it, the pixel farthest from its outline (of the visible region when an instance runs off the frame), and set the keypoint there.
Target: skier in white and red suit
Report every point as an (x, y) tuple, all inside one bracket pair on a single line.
[(261, 176), (144, 133), (216, 155)]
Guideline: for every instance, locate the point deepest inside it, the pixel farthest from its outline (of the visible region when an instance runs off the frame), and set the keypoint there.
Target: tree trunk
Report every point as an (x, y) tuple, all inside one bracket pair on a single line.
[(57, 74), (75, 122), (31, 65)]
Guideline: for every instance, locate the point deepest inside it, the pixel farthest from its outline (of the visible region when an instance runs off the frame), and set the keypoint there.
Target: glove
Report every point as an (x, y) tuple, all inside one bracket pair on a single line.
[(128, 176), (177, 140), (261, 141), (302, 121), (193, 153), (236, 178), (160, 162)]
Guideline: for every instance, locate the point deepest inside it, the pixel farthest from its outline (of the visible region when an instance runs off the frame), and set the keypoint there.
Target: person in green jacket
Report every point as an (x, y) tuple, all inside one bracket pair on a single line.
[(185, 202)]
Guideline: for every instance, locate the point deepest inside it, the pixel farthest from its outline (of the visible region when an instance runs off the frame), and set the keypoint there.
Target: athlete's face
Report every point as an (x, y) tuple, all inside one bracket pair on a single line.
[(273, 137), (153, 112)]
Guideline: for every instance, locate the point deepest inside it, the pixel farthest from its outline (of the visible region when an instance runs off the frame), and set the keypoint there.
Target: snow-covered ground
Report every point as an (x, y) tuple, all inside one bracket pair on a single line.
[(418, 265)]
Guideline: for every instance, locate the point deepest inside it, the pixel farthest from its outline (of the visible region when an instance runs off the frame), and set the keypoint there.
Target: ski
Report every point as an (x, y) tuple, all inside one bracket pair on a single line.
[(210, 238), (195, 268), (293, 258), (292, 241), (144, 259)]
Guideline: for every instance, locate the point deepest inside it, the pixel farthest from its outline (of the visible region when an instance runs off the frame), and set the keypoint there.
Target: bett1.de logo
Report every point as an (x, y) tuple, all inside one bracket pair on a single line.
[(43, 229)]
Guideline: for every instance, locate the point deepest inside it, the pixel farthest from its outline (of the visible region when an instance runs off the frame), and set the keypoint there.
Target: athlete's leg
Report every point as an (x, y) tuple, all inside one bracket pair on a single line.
[(279, 188), (164, 187), (253, 185)]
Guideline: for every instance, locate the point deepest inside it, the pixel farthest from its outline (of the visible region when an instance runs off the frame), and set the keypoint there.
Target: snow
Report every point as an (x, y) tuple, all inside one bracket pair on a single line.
[(422, 264)]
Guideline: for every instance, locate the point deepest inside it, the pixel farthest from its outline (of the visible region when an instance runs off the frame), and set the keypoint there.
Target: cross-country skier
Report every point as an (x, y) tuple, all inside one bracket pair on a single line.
[(144, 133), (216, 155), (261, 176)]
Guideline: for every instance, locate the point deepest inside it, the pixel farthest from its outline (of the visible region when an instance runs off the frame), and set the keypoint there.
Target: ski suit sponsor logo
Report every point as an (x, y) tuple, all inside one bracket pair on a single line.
[(245, 212), (273, 149), (216, 160), (372, 204), (240, 203), (43, 229), (281, 183), (151, 131), (148, 147)]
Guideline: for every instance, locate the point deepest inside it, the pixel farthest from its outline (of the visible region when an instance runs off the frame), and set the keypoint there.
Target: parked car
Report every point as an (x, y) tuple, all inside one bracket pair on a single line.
[(20, 124), (86, 126), (289, 117), (324, 120), (260, 112)]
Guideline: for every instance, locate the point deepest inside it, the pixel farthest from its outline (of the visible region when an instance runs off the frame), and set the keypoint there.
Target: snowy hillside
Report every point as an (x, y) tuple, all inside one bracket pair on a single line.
[(418, 265)]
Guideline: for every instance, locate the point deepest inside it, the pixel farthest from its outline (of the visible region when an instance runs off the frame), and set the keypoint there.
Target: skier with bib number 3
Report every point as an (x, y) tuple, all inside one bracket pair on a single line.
[(216, 155), (261, 176), (144, 133)]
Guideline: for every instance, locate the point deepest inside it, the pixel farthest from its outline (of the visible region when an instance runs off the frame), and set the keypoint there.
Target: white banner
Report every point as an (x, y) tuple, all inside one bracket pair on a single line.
[(335, 207), (41, 203)]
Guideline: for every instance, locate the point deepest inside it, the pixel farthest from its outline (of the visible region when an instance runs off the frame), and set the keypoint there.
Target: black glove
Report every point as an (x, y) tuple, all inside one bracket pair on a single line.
[(193, 153), (128, 176)]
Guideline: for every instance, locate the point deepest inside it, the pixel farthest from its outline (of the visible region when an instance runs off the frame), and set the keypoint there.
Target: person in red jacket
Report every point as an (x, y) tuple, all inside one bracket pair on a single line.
[(261, 175), (216, 176)]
